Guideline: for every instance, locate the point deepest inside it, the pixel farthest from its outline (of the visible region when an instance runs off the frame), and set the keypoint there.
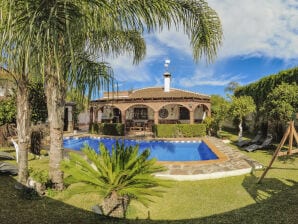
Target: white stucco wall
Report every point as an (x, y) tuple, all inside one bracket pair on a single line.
[(84, 118)]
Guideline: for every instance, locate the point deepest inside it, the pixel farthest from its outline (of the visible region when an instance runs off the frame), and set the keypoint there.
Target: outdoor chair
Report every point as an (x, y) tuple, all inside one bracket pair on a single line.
[(255, 140), (265, 143)]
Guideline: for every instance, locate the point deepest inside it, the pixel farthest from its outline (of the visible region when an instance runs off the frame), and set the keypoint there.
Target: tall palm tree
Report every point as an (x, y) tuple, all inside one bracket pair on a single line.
[(52, 30), (119, 176), (15, 58)]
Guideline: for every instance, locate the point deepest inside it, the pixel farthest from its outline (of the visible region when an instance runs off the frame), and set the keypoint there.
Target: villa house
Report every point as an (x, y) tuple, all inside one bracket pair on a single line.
[(140, 109)]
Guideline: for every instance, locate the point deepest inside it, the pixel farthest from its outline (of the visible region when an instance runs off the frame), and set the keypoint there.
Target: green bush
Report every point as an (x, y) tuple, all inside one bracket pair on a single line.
[(40, 176), (115, 129), (165, 130), (179, 130), (94, 128)]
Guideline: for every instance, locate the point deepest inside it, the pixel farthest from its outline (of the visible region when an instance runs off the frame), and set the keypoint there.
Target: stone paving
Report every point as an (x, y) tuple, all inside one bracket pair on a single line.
[(236, 164)]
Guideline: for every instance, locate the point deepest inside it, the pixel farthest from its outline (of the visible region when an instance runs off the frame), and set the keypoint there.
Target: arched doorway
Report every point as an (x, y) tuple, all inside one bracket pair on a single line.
[(116, 115)]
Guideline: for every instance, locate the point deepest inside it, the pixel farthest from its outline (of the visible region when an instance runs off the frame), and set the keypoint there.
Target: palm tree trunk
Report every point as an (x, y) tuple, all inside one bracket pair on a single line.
[(55, 94), (23, 128), (115, 205)]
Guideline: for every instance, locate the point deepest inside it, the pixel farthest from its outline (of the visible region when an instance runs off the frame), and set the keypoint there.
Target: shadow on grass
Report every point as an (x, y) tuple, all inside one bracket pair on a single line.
[(276, 202), (19, 207)]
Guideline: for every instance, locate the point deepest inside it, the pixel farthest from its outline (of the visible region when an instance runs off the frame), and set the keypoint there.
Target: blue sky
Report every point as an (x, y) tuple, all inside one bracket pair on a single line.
[(260, 38)]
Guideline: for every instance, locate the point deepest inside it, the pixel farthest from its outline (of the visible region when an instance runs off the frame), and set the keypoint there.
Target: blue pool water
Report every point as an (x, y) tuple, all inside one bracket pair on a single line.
[(161, 150)]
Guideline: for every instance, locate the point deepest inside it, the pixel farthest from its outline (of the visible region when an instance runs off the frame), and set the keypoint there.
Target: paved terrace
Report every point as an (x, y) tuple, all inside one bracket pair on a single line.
[(234, 164)]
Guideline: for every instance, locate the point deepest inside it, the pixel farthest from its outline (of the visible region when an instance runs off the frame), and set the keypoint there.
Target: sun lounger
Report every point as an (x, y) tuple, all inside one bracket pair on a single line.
[(7, 168), (5, 155), (265, 143), (255, 140)]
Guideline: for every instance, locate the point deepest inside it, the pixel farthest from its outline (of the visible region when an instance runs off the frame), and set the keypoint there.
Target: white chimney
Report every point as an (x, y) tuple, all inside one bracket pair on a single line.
[(167, 82), (167, 77)]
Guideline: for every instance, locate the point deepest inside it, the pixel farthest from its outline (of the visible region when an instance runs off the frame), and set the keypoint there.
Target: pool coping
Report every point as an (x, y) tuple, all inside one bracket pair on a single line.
[(214, 175), (236, 164), (221, 157)]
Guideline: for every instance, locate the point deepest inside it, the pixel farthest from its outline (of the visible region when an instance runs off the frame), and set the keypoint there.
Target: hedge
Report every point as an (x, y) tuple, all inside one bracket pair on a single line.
[(261, 88), (115, 129), (179, 130)]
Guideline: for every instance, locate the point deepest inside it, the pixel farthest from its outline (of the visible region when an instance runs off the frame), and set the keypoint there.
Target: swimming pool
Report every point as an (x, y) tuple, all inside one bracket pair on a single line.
[(161, 150)]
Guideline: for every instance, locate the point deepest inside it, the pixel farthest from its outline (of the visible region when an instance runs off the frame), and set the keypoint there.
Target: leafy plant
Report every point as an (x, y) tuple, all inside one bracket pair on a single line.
[(116, 129), (241, 107), (7, 110), (280, 106), (259, 90), (37, 101), (120, 176), (40, 176), (219, 110)]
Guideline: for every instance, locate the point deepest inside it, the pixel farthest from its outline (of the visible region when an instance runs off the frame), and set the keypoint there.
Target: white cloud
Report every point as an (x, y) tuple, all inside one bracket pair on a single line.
[(255, 27), (174, 39), (258, 27), (207, 76), (265, 28)]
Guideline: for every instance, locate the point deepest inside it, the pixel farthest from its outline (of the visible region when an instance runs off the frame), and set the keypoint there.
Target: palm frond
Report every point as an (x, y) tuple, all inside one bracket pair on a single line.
[(109, 171)]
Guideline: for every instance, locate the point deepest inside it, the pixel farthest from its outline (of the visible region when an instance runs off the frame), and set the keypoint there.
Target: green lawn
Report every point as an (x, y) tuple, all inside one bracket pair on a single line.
[(227, 200)]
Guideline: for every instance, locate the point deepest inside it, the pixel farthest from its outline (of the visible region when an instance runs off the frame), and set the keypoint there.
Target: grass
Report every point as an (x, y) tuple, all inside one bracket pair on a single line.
[(228, 200)]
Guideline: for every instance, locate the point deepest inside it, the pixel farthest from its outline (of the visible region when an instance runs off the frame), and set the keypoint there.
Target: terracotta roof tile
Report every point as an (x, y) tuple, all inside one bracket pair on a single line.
[(158, 92), (154, 93)]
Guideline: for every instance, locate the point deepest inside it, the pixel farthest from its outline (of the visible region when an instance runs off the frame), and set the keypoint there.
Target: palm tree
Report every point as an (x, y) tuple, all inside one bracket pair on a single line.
[(119, 176), (15, 58), (54, 30)]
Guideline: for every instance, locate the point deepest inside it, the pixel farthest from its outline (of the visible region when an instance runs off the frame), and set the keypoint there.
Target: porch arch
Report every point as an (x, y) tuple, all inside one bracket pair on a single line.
[(201, 111)]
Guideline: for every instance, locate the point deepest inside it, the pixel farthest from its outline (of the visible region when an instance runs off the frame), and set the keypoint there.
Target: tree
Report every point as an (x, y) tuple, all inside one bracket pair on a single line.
[(241, 107), (7, 110), (49, 30), (37, 100), (219, 111), (232, 86), (119, 176), (280, 105), (15, 58)]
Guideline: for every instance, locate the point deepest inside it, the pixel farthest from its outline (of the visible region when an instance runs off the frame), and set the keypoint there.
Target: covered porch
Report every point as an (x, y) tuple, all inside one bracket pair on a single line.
[(142, 116)]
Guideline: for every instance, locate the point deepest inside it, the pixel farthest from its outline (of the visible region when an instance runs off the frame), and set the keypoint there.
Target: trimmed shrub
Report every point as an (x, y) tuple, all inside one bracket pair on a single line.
[(115, 129), (179, 130), (94, 128), (165, 130)]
